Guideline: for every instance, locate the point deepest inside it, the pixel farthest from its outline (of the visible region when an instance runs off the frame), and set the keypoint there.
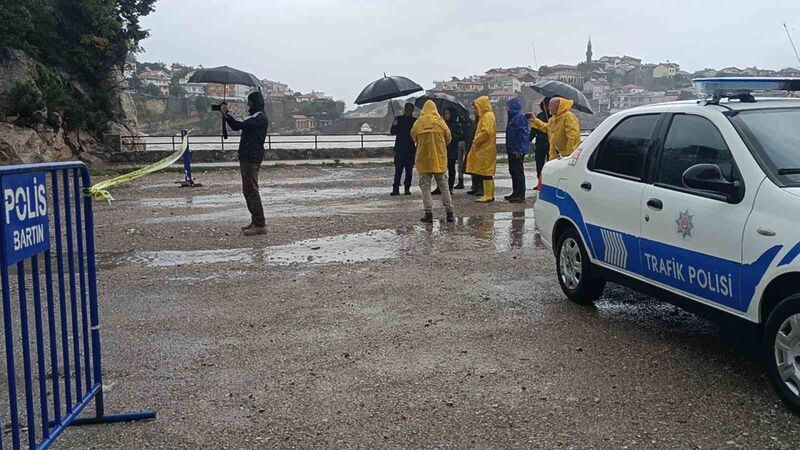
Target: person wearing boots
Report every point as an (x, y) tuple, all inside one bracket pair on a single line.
[(541, 147), (431, 135), (251, 154), (517, 145), (451, 119), (476, 188), (482, 158), (404, 149)]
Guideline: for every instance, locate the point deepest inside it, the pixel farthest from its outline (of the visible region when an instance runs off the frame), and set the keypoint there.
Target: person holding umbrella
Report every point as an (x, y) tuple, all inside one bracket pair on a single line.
[(517, 145), (431, 134), (251, 154), (563, 129), (388, 88), (451, 119), (404, 149), (482, 158), (541, 147)]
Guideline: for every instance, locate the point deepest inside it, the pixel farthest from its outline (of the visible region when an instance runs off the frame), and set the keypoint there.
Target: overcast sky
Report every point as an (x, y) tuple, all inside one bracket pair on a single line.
[(338, 46)]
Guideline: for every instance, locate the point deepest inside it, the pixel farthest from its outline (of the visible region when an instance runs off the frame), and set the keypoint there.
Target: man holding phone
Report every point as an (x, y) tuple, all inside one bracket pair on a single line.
[(251, 155)]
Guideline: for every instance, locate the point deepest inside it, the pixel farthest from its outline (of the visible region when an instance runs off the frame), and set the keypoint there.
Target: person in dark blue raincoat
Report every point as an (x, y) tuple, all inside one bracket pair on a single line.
[(517, 146), (405, 150)]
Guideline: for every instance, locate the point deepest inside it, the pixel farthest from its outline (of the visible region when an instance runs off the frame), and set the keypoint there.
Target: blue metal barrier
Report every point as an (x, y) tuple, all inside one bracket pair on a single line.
[(34, 197)]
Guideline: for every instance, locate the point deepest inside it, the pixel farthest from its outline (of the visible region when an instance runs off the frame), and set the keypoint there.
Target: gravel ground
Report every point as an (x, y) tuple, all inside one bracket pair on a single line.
[(351, 325)]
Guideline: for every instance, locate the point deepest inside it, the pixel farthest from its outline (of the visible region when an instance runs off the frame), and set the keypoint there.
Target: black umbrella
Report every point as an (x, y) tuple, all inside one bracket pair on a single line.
[(444, 101), (387, 88), (553, 88), (224, 75)]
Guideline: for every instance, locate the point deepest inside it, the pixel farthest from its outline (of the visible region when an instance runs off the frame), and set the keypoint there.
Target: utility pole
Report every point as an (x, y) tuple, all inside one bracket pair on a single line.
[(791, 41)]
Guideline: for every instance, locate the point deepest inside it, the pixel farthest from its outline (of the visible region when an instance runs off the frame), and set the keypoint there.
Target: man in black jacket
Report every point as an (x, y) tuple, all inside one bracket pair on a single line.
[(251, 154), (404, 149), (542, 145)]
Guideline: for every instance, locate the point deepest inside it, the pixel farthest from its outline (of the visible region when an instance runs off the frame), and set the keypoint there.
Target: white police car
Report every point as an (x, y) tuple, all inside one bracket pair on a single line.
[(697, 202)]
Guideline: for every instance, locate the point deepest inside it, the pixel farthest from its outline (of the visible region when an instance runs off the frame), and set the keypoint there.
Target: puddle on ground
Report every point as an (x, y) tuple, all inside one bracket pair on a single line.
[(269, 196), (501, 231), (174, 258), (623, 305)]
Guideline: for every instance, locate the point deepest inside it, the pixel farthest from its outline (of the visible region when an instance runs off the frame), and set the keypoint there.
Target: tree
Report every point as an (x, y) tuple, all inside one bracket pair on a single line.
[(153, 90), (176, 90), (135, 84), (544, 71), (85, 39), (202, 103), (26, 101), (584, 68)]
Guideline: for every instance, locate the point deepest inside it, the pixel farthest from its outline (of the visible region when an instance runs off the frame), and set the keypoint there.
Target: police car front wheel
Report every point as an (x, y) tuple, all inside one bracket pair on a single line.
[(574, 270), (782, 350)]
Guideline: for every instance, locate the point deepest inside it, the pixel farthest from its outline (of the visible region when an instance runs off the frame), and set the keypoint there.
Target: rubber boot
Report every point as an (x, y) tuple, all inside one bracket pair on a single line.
[(460, 184), (488, 192), (428, 217), (450, 217), (473, 190)]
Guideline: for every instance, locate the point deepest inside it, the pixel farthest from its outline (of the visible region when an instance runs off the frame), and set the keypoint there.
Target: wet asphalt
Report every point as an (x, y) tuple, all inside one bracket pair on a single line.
[(352, 325)]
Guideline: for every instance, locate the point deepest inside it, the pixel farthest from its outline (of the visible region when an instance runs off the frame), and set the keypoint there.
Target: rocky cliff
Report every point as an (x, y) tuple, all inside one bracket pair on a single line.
[(52, 142)]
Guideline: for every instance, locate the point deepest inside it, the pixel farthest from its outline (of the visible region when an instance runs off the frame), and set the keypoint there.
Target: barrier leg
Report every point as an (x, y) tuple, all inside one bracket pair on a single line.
[(188, 181)]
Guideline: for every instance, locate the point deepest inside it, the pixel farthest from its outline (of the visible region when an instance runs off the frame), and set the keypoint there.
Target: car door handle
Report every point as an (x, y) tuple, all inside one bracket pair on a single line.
[(586, 186), (766, 232), (655, 204)]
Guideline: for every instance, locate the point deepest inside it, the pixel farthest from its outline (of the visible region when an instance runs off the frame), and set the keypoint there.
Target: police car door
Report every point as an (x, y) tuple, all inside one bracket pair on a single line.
[(610, 194), (692, 240)]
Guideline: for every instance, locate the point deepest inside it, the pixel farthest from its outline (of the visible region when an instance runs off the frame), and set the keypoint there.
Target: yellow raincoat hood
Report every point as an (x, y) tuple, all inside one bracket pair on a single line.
[(482, 158), (564, 105), (432, 135), (483, 105)]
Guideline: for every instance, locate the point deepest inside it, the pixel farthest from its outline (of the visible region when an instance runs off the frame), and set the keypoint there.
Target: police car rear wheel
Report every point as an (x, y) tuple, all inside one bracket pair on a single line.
[(782, 350), (574, 270)]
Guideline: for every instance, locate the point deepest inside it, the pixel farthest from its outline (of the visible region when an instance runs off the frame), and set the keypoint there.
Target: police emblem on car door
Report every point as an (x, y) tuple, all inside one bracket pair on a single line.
[(684, 223)]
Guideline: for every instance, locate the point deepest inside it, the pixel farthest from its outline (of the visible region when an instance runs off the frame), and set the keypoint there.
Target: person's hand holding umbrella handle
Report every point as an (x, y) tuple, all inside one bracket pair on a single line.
[(223, 110)]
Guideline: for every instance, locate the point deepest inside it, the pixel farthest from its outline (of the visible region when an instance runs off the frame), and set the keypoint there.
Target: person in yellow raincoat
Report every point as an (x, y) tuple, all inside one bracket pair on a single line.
[(431, 134), (563, 129), (482, 158)]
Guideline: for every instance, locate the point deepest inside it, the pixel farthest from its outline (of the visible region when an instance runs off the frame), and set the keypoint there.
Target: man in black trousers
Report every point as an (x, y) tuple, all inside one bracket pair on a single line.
[(517, 145), (404, 149), (251, 154)]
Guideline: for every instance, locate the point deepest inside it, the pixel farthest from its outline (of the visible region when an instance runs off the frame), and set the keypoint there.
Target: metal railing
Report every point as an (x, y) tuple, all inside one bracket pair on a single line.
[(201, 142), (299, 142)]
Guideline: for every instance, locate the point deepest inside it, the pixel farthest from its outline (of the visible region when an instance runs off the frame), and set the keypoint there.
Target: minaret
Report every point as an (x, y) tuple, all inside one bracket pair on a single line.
[(589, 52)]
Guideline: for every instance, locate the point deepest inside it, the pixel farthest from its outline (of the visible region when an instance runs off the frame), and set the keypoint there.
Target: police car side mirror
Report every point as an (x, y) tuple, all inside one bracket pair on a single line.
[(708, 177)]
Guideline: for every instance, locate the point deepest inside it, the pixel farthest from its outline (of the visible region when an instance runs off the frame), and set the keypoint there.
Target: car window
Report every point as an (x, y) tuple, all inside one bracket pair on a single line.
[(692, 140), (624, 150), (777, 136)]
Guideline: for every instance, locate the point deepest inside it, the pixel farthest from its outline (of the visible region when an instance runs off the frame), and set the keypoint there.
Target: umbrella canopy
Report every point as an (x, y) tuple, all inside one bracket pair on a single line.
[(444, 101), (387, 88), (553, 88), (224, 75)]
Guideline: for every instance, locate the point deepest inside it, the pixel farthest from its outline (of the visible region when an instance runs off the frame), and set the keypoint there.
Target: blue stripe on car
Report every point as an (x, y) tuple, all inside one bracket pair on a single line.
[(725, 282), (791, 255)]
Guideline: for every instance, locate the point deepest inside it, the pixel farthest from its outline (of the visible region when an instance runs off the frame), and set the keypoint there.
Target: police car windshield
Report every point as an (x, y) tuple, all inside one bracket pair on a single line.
[(777, 137)]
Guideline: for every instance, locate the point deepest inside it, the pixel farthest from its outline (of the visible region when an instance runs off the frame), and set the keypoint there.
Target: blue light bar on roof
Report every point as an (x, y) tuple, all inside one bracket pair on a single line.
[(742, 85)]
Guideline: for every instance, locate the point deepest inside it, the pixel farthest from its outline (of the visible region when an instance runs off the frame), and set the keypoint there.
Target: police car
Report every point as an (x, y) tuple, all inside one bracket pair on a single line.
[(696, 202)]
